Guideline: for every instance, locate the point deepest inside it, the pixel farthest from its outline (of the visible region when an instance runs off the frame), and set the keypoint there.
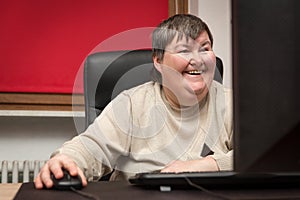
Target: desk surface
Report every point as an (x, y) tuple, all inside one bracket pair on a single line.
[(123, 190), (8, 191)]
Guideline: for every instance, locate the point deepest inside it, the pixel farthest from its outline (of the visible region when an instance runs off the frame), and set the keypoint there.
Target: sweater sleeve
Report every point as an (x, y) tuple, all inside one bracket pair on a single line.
[(223, 149), (77, 151), (224, 161), (224, 158), (97, 150)]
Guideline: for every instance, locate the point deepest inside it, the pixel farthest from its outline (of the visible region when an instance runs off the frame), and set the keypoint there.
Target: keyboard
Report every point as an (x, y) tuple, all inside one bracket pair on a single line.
[(216, 180)]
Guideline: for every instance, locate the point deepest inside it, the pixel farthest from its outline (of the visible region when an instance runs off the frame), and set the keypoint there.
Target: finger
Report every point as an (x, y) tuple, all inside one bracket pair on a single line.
[(43, 178), (166, 170), (55, 167), (38, 182), (169, 167), (83, 179), (70, 166)]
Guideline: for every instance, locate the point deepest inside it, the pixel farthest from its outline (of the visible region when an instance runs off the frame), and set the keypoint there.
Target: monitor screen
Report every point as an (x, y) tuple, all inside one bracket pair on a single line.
[(266, 85)]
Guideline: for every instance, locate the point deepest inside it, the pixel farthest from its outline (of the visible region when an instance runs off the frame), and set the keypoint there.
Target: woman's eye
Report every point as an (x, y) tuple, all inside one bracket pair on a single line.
[(184, 51), (203, 49)]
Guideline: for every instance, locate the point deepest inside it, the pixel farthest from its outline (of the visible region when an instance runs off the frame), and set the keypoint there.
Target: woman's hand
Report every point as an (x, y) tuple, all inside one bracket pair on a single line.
[(204, 164), (55, 165)]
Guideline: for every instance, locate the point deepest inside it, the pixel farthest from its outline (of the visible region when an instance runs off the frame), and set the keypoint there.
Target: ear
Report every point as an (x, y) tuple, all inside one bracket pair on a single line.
[(157, 63)]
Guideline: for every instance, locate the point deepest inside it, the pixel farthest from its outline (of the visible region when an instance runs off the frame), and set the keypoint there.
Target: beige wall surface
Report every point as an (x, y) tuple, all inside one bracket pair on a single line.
[(217, 14)]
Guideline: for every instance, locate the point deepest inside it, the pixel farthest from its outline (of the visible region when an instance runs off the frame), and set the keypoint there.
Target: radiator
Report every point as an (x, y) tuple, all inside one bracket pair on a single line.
[(19, 171)]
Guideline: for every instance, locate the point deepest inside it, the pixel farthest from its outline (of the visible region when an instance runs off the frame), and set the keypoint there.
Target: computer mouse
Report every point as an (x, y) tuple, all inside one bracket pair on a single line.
[(67, 181)]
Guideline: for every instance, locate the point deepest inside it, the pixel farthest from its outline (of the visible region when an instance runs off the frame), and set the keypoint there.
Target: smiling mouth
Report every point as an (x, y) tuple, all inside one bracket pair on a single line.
[(194, 72)]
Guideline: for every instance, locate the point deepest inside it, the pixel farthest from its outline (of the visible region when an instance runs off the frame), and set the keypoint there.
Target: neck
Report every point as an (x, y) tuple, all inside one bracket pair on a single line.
[(174, 103)]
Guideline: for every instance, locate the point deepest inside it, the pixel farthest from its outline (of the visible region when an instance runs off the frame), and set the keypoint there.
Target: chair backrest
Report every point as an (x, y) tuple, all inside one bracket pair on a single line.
[(106, 74)]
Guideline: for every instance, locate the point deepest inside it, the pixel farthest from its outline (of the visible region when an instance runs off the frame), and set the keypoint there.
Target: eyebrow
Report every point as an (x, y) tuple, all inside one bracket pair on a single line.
[(206, 42), (179, 44)]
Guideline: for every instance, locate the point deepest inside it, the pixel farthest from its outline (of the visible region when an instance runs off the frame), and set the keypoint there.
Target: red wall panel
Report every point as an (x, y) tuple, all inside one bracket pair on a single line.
[(43, 43)]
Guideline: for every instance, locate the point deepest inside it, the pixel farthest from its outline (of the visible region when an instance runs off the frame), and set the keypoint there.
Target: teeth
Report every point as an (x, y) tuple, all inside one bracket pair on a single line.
[(194, 72)]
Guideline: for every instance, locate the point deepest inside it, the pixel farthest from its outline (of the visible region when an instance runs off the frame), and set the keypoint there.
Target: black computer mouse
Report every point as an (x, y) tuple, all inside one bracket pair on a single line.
[(67, 181)]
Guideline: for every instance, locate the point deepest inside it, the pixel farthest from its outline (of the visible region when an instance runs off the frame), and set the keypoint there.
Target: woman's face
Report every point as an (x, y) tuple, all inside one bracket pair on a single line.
[(187, 70)]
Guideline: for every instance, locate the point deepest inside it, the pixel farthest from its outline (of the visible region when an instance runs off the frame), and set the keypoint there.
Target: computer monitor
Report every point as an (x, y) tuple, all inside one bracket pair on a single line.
[(266, 85)]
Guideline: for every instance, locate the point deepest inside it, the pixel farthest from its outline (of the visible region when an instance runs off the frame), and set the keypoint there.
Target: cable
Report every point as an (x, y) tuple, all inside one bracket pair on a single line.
[(85, 194), (224, 197)]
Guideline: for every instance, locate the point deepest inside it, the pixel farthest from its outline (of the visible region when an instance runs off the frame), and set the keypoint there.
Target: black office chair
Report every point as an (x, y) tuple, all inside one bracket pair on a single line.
[(106, 74)]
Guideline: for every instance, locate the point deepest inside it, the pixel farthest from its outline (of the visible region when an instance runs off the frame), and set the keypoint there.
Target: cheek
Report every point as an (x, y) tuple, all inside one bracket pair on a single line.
[(177, 63), (210, 60)]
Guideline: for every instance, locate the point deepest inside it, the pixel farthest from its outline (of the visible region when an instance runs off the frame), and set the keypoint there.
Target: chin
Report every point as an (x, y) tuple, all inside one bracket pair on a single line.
[(201, 95), (190, 100), (200, 91), (198, 88)]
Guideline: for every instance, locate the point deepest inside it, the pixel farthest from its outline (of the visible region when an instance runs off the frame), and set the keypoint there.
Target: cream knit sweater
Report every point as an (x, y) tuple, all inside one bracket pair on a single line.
[(139, 132)]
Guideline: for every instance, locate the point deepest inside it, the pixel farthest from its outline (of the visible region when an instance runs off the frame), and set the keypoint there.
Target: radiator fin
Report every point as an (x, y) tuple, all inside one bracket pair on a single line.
[(19, 171)]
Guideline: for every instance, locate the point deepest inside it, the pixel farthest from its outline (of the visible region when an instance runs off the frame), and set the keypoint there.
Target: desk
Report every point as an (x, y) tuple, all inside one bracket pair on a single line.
[(8, 191), (123, 191)]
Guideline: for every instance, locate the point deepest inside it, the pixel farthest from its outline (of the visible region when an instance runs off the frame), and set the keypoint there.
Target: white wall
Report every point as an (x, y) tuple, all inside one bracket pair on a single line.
[(34, 138), (217, 15)]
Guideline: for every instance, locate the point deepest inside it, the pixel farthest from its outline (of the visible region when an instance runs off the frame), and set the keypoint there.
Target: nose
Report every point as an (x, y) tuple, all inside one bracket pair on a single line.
[(196, 59)]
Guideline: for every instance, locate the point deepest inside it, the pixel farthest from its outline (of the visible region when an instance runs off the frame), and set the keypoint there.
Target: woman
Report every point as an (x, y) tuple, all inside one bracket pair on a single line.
[(180, 121)]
